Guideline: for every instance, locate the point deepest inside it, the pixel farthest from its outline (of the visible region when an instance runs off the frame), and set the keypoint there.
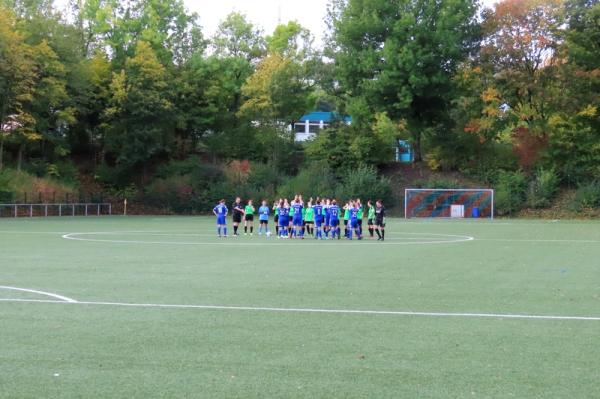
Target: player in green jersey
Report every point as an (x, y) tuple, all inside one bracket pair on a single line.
[(309, 218), (346, 218), (249, 218), (371, 218)]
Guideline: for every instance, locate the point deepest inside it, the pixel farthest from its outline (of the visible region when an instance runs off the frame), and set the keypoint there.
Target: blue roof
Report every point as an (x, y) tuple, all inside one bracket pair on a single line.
[(326, 117)]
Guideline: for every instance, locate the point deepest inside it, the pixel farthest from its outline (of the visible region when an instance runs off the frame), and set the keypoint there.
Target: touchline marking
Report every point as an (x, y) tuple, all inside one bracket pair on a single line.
[(432, 239), (49, 294), (308, 310)]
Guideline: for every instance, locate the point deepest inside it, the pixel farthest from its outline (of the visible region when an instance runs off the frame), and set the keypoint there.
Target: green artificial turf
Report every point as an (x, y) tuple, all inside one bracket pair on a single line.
[(58, 350)]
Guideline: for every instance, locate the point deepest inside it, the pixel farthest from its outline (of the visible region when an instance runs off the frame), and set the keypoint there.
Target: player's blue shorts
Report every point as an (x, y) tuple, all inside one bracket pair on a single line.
[(318, 221), (333, 222), (354, 223), (327, 219), (284, 221), (221, 220), (297, 221)]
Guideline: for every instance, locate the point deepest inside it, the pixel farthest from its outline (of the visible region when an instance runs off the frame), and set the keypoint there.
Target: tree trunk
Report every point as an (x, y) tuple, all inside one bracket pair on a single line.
[(20, 157), (417, 147)]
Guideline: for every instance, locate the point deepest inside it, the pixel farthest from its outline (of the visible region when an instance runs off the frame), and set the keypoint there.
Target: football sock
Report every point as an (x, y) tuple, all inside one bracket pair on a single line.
[(219, 230), (382, 234), (235, 229), (225, 231), (378, 233), (245, 229), (251, 229)]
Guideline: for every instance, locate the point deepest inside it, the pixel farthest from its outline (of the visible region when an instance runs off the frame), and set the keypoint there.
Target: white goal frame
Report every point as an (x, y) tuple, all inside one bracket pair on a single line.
[(449, 190)]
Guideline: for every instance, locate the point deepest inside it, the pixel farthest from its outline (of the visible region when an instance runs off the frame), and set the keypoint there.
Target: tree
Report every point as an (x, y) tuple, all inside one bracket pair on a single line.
[(291, 40), (520, 44), (277, 91), (400, 56), (31, 88), (574, 140), (138, 119), (172, 32), (16, 79), (238, 38)]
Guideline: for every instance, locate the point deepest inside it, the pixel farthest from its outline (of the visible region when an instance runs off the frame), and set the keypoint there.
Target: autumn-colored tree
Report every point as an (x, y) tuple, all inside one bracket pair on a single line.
[(522, 37), (24, 82)]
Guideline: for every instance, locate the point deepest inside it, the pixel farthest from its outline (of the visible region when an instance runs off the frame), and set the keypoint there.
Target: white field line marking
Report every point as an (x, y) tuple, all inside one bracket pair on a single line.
[(48, 294), (32, 232), (432, 239), (392, 237), (538, 240), (310, 310)]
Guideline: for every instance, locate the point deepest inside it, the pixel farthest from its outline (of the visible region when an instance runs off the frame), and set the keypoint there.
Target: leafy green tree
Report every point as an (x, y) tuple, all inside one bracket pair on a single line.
[(574, 142), (400, 56), (88, 86), (138, 119), (291, 40), (172, 32), (236, 37), (277, 91)]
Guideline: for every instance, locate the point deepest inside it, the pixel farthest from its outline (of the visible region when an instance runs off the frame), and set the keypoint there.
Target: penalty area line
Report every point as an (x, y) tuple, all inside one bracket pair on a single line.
[(310, 310)]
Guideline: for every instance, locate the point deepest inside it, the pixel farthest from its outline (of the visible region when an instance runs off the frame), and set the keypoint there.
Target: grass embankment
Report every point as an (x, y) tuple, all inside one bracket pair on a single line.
[(20, 186)]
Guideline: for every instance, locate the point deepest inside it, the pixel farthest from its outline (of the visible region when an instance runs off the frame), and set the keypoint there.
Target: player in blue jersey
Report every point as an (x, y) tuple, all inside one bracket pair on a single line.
[(284, 216), (353, 226), (318, 217), (334, 219), (263, 218), (326, 216), (276, 215), (297, 206), (220, 212)]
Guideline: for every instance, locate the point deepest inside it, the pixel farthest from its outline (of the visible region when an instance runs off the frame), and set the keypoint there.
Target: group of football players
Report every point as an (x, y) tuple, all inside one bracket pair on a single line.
[(320, 218)]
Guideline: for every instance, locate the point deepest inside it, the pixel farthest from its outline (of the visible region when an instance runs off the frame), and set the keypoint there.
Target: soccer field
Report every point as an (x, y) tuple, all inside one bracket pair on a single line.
[(158, 307)]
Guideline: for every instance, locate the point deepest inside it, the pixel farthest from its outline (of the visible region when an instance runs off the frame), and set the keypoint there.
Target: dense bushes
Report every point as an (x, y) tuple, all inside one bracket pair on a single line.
[(587, 197), (364, 183), (316, 179), (22, 186), (185, 186), (514, 191), (511, 190), (542, 188), (192, 187)]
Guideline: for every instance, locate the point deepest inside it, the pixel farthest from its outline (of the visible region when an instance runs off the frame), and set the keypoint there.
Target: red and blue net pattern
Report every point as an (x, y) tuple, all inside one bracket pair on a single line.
[(431, 204)]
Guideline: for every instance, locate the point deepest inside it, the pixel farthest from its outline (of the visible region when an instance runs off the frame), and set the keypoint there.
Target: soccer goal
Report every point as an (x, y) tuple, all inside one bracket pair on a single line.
[(441, 203)]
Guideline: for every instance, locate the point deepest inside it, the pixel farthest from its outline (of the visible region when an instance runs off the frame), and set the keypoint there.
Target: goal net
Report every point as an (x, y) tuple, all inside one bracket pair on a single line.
[(438, 203)]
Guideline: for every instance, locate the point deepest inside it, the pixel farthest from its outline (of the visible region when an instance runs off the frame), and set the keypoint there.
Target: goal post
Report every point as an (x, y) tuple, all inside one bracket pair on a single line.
[(448, 203)]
